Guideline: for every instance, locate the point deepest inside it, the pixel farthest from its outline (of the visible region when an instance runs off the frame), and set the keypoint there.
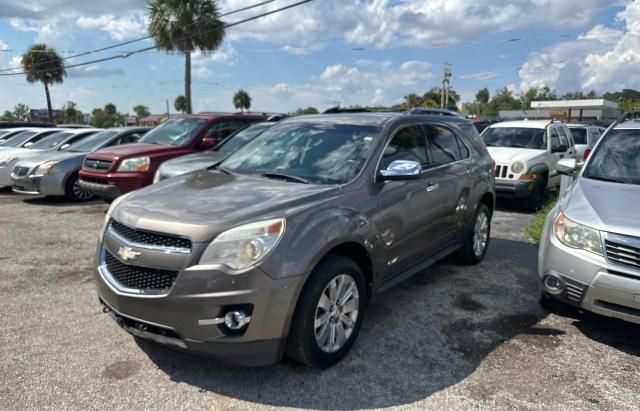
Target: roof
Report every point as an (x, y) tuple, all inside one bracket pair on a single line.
[(575, 104), (629, 125), (78, 130), (368, 119), (542, 124)]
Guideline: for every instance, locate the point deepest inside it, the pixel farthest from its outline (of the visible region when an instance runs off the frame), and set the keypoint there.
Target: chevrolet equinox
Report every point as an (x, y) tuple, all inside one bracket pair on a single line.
[(277, 249)]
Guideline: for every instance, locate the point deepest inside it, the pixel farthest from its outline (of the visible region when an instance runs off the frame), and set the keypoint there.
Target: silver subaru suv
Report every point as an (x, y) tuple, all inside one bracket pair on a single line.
[(590, 250), (278, 248)]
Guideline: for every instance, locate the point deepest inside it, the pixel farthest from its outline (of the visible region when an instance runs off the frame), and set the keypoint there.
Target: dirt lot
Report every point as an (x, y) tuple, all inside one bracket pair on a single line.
[(451, 338)]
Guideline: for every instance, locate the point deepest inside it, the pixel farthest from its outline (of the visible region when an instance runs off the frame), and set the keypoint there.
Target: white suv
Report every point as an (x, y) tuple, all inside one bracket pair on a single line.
[(526, 153)]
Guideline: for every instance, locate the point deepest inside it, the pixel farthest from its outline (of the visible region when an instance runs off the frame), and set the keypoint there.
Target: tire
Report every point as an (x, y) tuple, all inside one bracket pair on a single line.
[(312, 346), (551, 304), (534, 201), (472, 252), (73, 192)]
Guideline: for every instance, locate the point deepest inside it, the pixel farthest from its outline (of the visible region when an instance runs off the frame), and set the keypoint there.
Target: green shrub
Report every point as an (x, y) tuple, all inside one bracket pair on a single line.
[(534, 230)]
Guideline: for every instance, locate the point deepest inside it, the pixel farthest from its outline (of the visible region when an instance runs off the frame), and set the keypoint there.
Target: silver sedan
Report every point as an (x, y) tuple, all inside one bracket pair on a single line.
[(589, 255), (55, 173)]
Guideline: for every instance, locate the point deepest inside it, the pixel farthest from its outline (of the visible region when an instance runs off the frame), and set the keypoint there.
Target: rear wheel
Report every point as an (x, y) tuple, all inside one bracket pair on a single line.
[(477, 240), (74, 192), (329, 313)]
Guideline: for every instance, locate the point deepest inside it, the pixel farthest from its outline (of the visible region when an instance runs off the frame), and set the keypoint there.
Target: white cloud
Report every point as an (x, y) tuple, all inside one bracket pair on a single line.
[(602, 59), (19, 24), (481, 75), (118, 28), (95, 71), (3, 46)]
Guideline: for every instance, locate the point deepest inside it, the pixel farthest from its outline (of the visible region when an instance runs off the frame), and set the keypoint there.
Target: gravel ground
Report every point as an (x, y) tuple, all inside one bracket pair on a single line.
[(450, 338)]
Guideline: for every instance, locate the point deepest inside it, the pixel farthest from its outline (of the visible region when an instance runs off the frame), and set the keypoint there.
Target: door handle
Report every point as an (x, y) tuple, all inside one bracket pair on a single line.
[(470, 171), (432, 187)]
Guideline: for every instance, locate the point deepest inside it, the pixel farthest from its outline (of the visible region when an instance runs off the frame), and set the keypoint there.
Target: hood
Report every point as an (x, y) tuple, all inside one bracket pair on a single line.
[(18, 152), (135, 150), (192, 162), (32, 160), (605, 206), (205, 203), (509, 155)]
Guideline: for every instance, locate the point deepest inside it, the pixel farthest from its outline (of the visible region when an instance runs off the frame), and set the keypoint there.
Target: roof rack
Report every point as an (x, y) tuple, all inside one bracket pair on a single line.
[(339, 110)]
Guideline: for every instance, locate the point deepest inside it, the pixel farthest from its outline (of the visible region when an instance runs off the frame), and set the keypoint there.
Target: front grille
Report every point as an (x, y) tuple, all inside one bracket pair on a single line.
[(139, 278), (149, 238), (502, 171), (21, 171), (623, 254), (101, 165)]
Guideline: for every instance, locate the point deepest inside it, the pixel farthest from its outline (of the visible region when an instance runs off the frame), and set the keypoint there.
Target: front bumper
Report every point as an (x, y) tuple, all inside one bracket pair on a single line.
[(591, 281), (178, 318), (112, 185), (5, 174), (47, 185), (514, 188)]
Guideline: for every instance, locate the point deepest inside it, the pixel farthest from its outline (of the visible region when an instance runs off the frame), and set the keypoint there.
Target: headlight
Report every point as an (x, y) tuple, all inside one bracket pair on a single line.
[(6, 161), (576, 235), (135, 164), (45, 168), (517, 167), (107, 216), (244, 246)]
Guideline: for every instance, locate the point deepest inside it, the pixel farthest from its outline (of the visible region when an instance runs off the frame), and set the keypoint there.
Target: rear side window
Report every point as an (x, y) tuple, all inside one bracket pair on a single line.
[(224, 129), (407, 144), (579, 135), (444, 146)]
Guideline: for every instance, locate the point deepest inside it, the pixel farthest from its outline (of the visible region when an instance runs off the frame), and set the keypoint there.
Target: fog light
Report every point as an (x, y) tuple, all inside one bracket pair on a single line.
[(553, 284), (236, 320)]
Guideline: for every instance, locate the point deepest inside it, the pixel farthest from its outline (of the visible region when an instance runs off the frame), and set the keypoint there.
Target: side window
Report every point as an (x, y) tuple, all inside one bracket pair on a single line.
[(224, 129), (595, 132), (407, 144), (563, 137), (126, 139), (554, 139), (444, 146)]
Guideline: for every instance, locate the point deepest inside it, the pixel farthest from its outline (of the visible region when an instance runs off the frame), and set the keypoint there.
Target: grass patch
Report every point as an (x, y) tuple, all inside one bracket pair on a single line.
[(534, 230)]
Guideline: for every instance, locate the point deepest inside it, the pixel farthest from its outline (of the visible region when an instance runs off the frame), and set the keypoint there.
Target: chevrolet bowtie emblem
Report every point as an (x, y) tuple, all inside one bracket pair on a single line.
[(127, 254)]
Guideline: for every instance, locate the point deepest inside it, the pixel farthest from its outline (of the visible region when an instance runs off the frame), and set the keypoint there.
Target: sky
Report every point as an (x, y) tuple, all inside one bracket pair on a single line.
[(351, 52)]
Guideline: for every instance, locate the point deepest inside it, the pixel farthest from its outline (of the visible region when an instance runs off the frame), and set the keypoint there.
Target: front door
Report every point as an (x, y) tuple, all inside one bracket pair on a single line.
[(405, 208)]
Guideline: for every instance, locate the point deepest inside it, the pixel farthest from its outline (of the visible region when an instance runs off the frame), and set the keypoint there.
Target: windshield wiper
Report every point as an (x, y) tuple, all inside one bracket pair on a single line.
[(609, 179), (287, 177)]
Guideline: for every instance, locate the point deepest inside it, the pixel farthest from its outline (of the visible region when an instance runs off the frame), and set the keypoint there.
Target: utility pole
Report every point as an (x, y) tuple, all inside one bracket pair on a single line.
[(168, 114), (446, 82)]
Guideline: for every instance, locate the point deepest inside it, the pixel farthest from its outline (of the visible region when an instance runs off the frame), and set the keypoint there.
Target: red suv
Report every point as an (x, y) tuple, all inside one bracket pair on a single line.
[(113, 171)]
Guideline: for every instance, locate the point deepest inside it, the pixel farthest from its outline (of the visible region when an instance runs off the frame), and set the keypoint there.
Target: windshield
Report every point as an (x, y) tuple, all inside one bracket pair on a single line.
[(518, 137), (17, 140), (174, 132), (91, 143), (51, 141), (319, 153), (579, 135), (242, 137), (616, 158)]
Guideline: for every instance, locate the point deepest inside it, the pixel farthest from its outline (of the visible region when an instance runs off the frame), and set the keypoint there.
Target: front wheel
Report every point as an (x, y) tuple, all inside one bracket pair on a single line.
[(534, 201), (476, 241), (329, 313), (74, 192)]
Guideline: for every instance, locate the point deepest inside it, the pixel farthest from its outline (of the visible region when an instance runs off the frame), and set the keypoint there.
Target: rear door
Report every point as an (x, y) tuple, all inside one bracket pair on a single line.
[(450, 175)]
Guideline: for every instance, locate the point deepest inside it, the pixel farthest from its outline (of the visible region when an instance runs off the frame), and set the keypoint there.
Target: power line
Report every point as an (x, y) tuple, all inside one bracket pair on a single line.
[(86, 53), (129, 54)]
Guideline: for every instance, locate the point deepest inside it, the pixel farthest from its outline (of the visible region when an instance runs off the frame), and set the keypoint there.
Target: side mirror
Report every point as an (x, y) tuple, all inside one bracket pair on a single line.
[(402, 170), (567, 166), (208, 143)]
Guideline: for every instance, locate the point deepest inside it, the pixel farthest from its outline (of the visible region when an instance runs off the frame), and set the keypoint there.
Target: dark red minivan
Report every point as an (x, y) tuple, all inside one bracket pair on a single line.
[(113, 171)]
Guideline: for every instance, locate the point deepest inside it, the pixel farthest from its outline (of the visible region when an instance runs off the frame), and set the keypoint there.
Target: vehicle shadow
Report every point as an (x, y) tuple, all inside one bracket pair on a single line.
[(62, 202), (615, 333), (427, 334)]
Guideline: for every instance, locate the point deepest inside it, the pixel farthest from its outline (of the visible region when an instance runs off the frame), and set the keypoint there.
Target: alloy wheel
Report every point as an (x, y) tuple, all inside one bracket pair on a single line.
[(336, 313), (480, 234), (79, 193)]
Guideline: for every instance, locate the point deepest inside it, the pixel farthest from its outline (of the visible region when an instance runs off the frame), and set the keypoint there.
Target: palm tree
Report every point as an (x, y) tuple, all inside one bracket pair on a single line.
[(185, 26), (180, 104), (242, 100), (43, 64)]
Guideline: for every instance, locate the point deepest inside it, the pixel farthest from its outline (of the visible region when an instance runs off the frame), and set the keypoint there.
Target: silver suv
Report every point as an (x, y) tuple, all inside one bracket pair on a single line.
[(279, 247), (590, 251)]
